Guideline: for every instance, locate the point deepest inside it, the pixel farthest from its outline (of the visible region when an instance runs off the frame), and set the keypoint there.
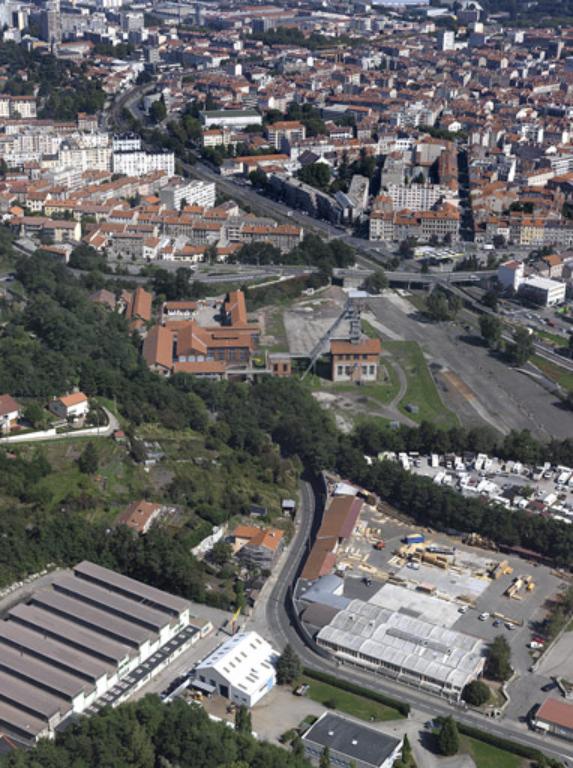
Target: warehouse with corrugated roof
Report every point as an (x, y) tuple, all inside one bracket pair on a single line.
[(408, 649), (73, 643)]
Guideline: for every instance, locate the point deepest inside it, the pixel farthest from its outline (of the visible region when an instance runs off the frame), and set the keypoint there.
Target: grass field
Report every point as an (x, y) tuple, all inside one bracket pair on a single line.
[(383, 391), (554, 372), (275, 327), (553, 338), (421, 389), (350, 703), (487, 756), (117, 482)]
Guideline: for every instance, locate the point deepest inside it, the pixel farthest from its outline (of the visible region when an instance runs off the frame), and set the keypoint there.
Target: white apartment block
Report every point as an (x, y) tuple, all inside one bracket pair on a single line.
[(126, 142), (415, 197), (191, 192), (17, 106), (140, 163), (85, 158)]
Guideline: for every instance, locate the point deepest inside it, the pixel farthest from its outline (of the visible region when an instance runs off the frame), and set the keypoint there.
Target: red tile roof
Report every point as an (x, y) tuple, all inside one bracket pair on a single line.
[(556, 712), (8, 405)]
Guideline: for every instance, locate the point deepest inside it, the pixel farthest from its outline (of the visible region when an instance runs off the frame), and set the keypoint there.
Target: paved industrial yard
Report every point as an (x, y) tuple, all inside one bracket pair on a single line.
[(496, 394)]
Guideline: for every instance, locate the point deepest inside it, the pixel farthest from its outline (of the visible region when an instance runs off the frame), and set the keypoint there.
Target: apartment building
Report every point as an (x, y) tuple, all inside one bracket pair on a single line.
[(137, 162), (188, 192), (285, 131)]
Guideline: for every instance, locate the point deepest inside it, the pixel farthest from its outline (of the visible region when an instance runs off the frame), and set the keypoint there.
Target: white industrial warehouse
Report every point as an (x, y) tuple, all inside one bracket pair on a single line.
[(83, 642), (242, 669), (408, 649)]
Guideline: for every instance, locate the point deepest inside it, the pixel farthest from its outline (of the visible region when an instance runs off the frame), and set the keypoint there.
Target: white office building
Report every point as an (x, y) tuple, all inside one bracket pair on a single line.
[(242, 669), (543, 291)]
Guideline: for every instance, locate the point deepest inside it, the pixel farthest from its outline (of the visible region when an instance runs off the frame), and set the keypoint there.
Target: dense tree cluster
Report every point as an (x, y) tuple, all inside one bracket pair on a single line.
[(63, 87), (441, 305), (372, 438), (149, 733), (312, 251), (27, 545)]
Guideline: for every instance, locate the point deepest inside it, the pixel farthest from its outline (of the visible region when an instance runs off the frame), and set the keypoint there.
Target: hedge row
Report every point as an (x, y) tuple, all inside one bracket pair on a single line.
[(381, 698), (497, 741)]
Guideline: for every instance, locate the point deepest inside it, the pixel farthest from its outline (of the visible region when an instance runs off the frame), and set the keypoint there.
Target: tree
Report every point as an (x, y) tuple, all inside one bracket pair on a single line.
[(437, 306), (407, 758), (221, 553), (376, 282), (406, 248), (36, 415), (498, 666), (88, 461), (491, 299), (158, 111), (297, 746), (490, 329), (317, 175), (448, 737), (243, 722), (289, 667), (259, 178), (521, 349), (324, 761), (476, 693), (240, 599)]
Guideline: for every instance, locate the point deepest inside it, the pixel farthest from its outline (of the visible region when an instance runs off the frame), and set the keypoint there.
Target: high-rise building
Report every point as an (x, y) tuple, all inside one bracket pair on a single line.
[(51, 23)]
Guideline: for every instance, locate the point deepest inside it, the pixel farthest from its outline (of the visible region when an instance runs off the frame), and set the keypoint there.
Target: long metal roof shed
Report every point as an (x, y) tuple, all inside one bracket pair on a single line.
[(136, 590), (94, 619), (70, 634), (35, 645)]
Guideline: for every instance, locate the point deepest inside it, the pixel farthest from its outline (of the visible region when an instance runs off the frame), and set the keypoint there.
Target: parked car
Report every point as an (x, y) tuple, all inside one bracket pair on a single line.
[(484, 616)]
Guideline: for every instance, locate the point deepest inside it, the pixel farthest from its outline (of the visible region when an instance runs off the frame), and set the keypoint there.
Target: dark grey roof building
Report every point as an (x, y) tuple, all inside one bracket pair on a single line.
[(350, 743)]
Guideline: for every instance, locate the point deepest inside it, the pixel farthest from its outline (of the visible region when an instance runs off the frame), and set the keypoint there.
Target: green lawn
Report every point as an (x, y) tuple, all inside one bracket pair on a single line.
[(421, 389), (350, 703), (487, 756), (382, 392), (554, 372), (553, 338)]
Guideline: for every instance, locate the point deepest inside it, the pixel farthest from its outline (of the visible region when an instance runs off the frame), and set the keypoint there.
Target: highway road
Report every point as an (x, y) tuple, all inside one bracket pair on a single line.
[(274, 624)]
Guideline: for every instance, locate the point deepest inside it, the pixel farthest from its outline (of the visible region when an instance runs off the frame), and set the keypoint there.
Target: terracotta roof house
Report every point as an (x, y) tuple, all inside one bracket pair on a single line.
[(10, 412), (73, 406), (355, 361), (257, 547), (104, 297), (140, 515)]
